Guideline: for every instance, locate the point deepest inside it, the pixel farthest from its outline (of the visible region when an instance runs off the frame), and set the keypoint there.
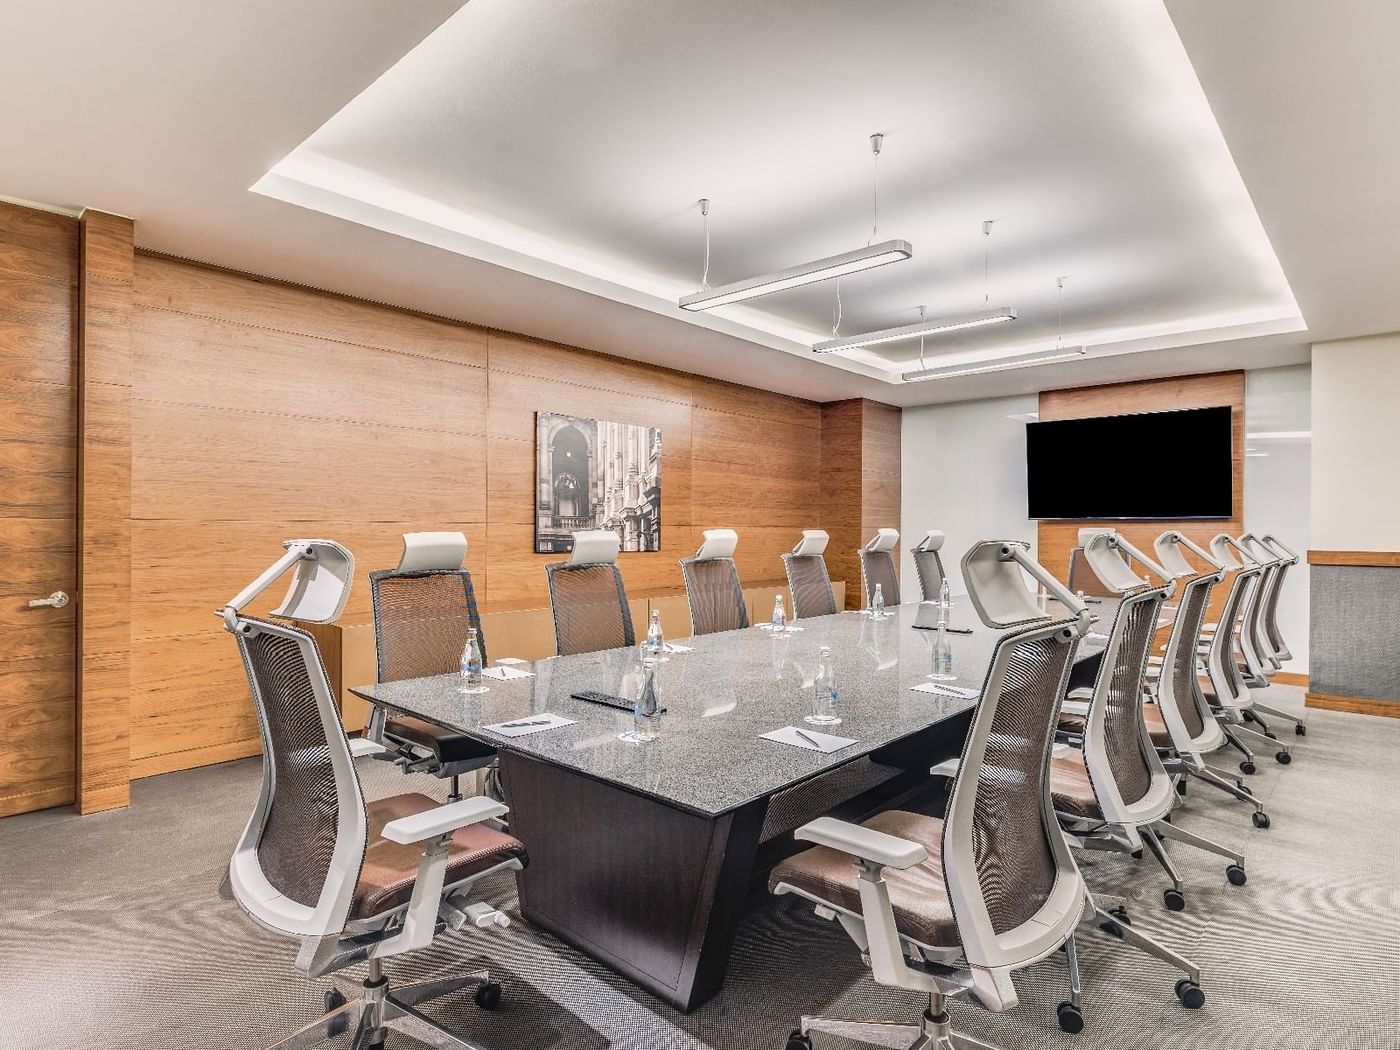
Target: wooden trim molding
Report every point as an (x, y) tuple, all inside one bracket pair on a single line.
[(211, 754), (1290, 678), (1371, 559), (103, 717), (1356, 705)]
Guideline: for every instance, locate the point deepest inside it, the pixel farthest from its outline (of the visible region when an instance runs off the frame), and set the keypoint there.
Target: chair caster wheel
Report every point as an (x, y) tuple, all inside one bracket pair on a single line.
[(1261, 819), (1247, 768), (488, 996), (1283, 758), (1071, 1018), (1175, 900), (1300, 730), (1190, 994), (1236, 874), (1120, 918), (798, 1041)]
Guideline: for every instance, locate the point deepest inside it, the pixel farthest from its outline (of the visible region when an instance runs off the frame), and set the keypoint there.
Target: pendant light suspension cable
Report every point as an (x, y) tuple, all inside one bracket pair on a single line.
[(1060, 312), (921, 340), (987, 260), (705, 217), (876, 142)]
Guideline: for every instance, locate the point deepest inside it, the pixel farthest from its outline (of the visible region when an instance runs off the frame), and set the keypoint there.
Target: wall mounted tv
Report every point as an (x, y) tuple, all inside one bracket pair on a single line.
[(1154, 465)]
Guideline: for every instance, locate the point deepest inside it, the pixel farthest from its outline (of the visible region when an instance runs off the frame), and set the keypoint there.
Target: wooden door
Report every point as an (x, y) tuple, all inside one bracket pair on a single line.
[(38, 506)]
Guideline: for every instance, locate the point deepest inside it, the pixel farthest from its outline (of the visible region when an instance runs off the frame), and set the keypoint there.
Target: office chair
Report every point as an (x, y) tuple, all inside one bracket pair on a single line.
[(352, 881), (1115, 794), (1181, 724), (877, 568), (712, 588), (807, 576), (1230, 695), (1264, 643), (928, 563), (422, 611), (950, 908), (587, 598), (1278, 645), (1082, 579)]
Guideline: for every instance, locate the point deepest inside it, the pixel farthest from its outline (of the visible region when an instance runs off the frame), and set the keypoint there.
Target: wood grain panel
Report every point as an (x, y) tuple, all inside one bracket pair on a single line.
[(761, 405), (514, 400), (203, 291), (37, 326), (36, 725), (1356, 705), (201, 361), (192, 693), (841, 491), (38, 451), (1057, 538), (195, 462), (39, 244), (104, 527), (1371, 559), (521, 356)]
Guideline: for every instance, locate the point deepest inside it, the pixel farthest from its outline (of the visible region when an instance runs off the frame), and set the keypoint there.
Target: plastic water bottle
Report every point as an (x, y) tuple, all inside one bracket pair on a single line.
[(824, 689), (877, 604), (471, 665), (942, 650), (779, 614), (656, 641), (646, 707), (945, 599)]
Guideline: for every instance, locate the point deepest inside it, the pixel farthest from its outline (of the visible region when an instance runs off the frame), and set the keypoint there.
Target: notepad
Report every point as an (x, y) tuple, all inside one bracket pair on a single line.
[(957, 692), (672, 647), (769, 627), (528, 724), (506, 674), (824, 743)]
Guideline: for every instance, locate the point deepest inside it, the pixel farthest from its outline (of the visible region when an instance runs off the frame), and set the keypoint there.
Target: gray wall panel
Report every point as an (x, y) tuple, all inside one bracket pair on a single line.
[(1355, 635)]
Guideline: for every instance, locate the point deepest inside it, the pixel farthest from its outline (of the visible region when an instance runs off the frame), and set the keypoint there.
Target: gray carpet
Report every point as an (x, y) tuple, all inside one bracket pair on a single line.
[(114, 935)]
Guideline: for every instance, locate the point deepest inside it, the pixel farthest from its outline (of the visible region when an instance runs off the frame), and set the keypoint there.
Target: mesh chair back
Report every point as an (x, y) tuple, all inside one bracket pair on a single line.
[(715, 596), (1003, 780), (1180, 662), (1119, 689), (1270, 618), (1083, 578), (421, 621), (301, 812), (877, 567), (590, 608), (1223, 645), (810, 585), (929, 566)]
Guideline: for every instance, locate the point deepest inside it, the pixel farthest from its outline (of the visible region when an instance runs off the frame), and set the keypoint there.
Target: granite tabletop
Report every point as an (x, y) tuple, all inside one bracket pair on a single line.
[(735, 686)]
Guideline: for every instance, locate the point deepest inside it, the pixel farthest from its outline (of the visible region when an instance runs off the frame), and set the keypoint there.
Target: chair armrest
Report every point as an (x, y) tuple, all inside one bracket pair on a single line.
[(873, 846), (363, 746), (1074, 707), (443, 820)]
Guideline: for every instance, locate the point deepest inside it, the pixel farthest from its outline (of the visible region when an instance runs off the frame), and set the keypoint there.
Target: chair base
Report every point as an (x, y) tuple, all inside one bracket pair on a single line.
[(933, 1032), (376, 1011)]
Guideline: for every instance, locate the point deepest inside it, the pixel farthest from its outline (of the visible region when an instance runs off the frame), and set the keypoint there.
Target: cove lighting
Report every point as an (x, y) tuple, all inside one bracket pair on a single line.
[(1004, 365), (808, 273), (996, 315)]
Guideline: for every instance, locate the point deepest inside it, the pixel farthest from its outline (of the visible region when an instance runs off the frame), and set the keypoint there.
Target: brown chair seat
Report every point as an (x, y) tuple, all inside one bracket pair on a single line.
[(1156, 728), (447, 745), (1070, 790), (922, 910), (1072, 723), (390, 868)]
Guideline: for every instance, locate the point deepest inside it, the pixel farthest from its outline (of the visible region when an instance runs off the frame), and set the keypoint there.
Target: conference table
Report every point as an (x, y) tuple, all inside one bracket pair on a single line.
[(642, 854)]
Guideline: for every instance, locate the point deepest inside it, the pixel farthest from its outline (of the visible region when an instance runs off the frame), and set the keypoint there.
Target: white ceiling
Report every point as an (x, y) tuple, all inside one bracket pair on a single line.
[(600, 132)]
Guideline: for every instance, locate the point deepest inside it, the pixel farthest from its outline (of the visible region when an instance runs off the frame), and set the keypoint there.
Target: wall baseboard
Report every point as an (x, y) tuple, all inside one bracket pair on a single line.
[(1356, 705), (1370, 559), (1290, 678), (154, 765)]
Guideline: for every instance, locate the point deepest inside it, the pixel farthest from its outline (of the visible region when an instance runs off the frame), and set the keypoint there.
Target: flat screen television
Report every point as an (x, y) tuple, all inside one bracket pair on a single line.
[(1153, 465)]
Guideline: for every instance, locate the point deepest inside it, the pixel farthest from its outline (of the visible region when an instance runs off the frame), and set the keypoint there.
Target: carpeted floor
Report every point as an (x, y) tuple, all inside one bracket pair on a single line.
[(114, 935)]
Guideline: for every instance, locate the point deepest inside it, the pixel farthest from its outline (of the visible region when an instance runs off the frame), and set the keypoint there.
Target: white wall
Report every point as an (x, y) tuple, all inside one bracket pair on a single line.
[(1356, 444), (964, 471), (1276, 485)]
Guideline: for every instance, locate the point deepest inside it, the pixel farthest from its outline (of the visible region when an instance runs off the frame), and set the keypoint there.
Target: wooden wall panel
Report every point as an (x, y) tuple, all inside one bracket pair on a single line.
[(104, 548), (38, 505), (262, 412), (1055, 539)]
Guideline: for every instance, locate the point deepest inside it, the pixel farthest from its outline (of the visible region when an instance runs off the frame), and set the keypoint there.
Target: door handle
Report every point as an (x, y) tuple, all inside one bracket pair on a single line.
[(56, 600)]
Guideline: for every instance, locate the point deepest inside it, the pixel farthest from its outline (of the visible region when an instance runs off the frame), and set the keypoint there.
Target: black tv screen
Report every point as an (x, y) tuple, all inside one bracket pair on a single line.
[(1167, 465)]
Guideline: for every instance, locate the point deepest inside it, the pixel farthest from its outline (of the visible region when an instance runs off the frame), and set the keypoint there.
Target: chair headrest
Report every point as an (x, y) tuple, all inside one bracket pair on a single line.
[(1087, 534), (428, 551), (813, 541), (1107, 563), (595, 547), (932, 541), (1220, 547), (883, 540), (719, 543)]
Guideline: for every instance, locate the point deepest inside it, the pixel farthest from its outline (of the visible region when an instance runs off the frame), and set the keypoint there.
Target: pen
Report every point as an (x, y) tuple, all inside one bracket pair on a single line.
[(517, 725), (810, 740)]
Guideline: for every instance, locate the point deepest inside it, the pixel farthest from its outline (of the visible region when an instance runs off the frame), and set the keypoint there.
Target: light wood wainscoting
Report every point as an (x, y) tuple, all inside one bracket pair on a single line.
[(1055, 539), (262, 411)]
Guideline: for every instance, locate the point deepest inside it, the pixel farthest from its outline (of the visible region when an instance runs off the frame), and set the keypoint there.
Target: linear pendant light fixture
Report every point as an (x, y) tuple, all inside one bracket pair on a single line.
[(832, 266), (996, 315), (1005, 364)]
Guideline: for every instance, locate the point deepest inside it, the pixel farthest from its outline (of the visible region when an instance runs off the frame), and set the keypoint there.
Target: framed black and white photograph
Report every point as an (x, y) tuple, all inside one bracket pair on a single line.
[(595, 474)]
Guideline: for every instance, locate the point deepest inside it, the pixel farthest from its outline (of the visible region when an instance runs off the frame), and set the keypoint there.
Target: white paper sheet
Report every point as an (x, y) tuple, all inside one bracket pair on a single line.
[(822, 742), (528, 724), (506, 674), (944, 689)]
